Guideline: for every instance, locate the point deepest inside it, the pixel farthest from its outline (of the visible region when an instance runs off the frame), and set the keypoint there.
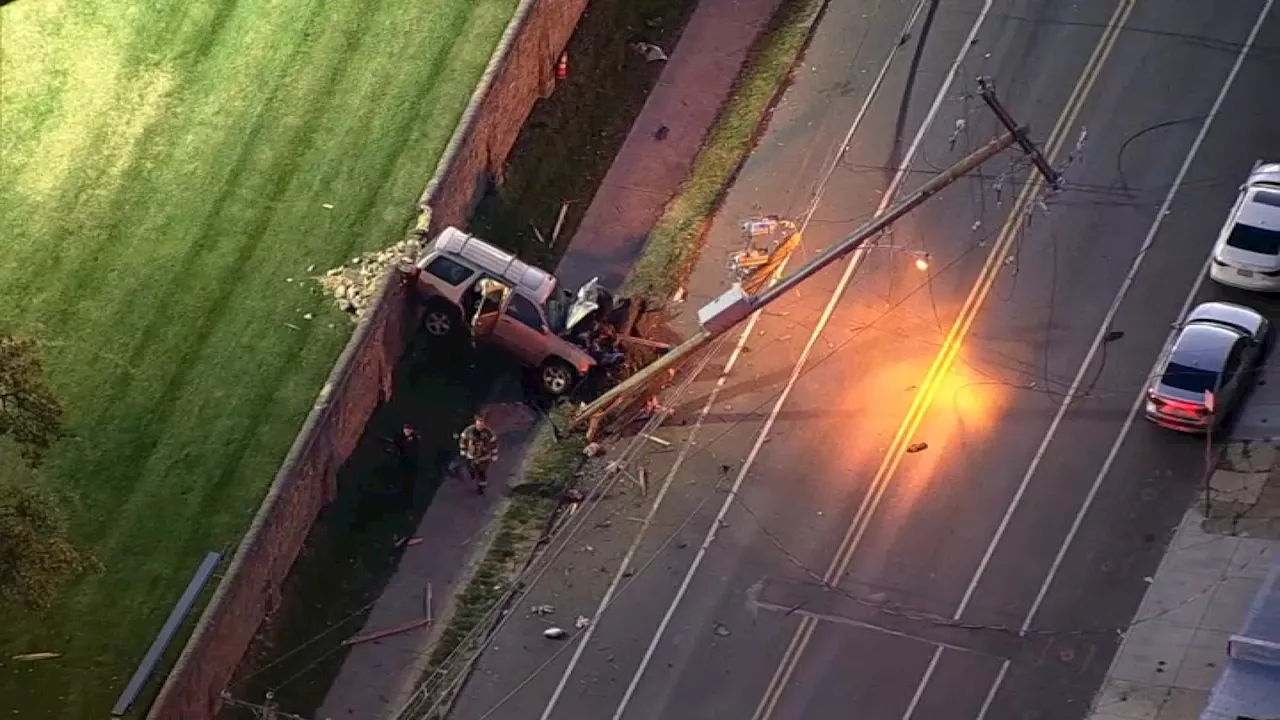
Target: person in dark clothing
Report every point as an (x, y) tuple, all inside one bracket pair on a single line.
[(478, 445), (406, 442)]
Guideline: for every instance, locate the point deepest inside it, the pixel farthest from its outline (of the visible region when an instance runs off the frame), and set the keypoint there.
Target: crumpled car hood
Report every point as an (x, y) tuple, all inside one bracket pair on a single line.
[(587, 301)]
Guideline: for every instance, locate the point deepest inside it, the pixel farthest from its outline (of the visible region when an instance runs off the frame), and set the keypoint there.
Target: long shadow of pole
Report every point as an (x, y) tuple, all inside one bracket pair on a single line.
[(895, 155)]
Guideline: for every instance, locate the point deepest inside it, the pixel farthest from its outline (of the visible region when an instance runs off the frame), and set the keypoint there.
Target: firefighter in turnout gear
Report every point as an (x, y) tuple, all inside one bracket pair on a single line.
[(478, 445)]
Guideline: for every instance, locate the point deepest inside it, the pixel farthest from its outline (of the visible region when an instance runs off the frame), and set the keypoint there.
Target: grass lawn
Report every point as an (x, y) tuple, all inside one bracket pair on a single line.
[(164, 173)]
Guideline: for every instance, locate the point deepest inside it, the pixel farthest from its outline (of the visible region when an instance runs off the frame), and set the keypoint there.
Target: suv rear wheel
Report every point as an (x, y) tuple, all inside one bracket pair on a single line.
[(439, 320), (557, 377)]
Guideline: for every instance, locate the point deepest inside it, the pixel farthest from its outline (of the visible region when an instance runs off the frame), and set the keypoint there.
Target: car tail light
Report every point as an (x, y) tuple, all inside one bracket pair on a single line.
[(1177, 407)]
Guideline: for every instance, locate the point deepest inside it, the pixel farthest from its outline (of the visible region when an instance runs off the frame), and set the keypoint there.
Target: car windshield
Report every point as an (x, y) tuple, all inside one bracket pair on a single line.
[(558, 306), (1254, 239), (1189, 379)]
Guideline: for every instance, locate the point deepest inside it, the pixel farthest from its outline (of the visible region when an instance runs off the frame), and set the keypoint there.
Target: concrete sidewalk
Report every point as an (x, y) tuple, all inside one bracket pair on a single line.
[(1176, 648), (377, 677), (664, 140)]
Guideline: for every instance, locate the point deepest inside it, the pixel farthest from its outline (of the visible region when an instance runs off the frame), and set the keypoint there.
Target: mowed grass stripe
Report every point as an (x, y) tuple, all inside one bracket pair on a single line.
[(156, 268), (240, 427)]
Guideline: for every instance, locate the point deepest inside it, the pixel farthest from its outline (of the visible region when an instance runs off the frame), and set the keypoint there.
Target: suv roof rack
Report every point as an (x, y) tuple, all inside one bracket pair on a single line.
[(495, 261)]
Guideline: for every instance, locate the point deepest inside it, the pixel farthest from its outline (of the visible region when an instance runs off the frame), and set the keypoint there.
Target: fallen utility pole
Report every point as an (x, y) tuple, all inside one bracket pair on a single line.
[(735, 305)]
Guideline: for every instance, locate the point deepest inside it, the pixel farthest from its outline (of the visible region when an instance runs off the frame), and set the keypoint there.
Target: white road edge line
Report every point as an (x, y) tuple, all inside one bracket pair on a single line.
[(585, 638), (1186, 305), (856, 260)]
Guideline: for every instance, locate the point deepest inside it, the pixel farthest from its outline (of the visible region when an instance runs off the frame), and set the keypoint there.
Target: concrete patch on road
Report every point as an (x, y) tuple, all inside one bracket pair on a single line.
[(879, 612), (1176, 646)]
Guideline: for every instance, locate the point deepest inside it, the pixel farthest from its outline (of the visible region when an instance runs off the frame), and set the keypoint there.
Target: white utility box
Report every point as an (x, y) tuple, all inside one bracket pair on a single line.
[(725, 311)]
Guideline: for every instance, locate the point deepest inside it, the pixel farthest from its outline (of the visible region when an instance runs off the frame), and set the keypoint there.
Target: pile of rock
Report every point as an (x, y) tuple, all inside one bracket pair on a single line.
[(355, 285)]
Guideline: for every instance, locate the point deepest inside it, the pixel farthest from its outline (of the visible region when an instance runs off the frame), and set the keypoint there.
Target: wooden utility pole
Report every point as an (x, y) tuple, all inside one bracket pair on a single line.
[(727, 311)]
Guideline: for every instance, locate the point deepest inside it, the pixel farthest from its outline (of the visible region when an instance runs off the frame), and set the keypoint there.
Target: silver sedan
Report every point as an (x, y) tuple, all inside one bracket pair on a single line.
[(1207, 370)]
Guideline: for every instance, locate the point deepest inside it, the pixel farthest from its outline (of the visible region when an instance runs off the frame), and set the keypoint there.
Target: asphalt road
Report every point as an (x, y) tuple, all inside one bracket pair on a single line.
[(1014, 511)]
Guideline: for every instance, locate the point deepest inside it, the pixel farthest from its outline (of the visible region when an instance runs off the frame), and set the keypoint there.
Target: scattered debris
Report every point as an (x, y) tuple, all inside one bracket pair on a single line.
[(31, 657), (650, 52), (722, 631), (538, 233), (542, 610), (1112, 335), (593, 450), (554, 633), (652, 406), (393, 630), (661, 133), (679, 295), (642, 479), (327, 206), (354, 286), (656, 439), (581, 622), (571, 500), (917, 447), (564, 210), (426, 603)]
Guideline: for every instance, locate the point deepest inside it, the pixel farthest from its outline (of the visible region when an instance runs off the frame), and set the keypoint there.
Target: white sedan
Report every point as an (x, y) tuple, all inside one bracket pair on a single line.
[(1247, 254)]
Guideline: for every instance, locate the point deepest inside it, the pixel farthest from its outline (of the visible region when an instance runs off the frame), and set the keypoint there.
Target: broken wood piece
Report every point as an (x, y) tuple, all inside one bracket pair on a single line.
[(564, 209), (656, 439), (30, 657), (385, 632), (644, 342), (642, 480)]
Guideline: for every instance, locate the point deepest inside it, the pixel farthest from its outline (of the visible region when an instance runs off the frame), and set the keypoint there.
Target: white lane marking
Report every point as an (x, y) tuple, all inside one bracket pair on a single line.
[(1186, 305), (887, 198), (625, 565)]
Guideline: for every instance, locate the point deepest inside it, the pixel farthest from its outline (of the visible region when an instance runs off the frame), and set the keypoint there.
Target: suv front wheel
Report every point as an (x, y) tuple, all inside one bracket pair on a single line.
[(557, 377)]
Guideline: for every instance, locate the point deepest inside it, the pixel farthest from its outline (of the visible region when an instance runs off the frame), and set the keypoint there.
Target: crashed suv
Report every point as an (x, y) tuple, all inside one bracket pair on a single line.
[(468, 284)]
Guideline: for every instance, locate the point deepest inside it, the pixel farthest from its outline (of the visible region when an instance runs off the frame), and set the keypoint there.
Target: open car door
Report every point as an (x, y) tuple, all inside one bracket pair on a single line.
[(494, 296)]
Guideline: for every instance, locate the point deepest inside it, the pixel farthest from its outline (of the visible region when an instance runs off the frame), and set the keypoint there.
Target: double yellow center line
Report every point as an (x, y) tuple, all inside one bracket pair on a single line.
[(950, 350)]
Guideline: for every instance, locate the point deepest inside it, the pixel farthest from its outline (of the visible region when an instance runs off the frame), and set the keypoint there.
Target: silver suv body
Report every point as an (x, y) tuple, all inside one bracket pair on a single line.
[(470, 284)]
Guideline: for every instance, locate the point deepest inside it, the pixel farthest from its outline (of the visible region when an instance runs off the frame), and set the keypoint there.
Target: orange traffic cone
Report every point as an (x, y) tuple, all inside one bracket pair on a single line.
[(562, 66)]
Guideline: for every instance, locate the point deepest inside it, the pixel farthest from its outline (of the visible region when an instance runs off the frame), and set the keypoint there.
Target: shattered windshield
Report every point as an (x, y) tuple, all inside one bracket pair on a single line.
[(558, 306)]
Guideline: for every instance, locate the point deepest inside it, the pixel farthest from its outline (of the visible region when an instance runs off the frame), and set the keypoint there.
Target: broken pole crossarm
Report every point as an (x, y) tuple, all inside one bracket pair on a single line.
[(879, 224), (988, 93)]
